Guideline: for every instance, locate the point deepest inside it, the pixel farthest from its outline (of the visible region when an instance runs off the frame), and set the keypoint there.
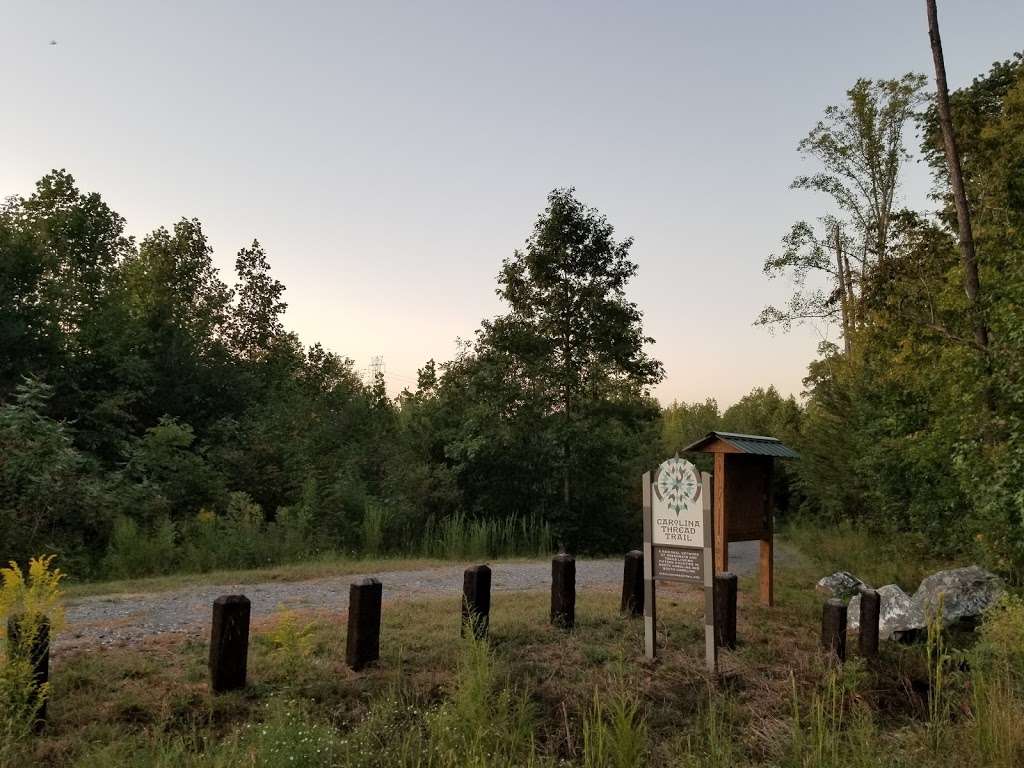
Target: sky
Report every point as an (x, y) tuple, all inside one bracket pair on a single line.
[(390, 155)]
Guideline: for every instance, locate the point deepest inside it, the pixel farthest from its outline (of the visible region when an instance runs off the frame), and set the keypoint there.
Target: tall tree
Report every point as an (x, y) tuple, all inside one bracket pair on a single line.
[(571, 349), (968, 257), (860, 149), (256, 319)]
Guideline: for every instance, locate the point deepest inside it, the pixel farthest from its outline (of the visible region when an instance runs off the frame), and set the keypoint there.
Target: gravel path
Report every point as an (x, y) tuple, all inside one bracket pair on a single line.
[(130, 618)]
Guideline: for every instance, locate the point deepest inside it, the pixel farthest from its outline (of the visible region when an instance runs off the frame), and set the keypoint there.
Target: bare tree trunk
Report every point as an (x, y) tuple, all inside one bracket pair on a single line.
[(851, 297), (844, 299), (956, 180)]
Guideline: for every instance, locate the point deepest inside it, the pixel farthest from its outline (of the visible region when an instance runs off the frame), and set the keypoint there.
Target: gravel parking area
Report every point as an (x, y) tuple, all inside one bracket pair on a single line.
[(127, 619)]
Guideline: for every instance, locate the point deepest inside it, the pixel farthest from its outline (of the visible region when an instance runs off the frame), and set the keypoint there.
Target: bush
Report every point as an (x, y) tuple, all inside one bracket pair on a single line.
[(33, 600), (134, 552)]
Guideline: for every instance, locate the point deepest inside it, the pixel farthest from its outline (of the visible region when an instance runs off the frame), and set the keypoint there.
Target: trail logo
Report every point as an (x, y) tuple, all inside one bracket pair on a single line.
[(678, 512)]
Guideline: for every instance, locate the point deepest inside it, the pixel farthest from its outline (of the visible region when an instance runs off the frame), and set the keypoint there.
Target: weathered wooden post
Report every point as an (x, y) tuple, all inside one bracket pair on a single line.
[(476, 600), (725, 609), (229, 642), (29, 638), (833, 627), (362, 646), (870, 609), (563, 591), (633, 584)]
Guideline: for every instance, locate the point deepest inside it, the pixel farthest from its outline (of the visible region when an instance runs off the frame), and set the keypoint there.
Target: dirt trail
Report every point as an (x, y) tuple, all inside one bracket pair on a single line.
[(131, 618)]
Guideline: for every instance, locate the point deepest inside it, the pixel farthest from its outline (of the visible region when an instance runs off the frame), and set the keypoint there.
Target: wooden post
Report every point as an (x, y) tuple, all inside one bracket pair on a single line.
[(833, 627), (29, 638), (563, 591), (870, 609), (766, 565), (633, 584), (362, 645), (650, 608), (721, 516), (229, 642), (725, 609), (765, 572), (476, 600)]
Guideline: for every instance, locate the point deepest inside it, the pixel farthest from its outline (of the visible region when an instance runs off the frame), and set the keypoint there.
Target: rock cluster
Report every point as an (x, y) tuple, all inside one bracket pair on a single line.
[(962, 593)]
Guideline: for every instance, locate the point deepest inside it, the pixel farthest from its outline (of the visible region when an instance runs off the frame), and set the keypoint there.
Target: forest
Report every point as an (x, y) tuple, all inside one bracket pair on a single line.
[(157, 415)]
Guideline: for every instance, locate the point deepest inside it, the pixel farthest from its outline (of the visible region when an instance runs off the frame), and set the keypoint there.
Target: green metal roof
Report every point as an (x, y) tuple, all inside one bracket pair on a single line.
[(759, 445)]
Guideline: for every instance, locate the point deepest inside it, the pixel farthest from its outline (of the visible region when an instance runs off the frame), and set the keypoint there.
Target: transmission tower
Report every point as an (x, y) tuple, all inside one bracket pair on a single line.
[(376, 366)]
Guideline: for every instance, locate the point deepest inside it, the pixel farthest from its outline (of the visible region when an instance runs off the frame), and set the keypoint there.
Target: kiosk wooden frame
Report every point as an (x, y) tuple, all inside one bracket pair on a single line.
[(743, 508)]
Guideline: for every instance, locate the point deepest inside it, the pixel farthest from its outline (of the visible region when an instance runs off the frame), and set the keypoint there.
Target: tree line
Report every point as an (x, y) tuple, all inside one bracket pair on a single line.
[(914, 422), (154, 416)]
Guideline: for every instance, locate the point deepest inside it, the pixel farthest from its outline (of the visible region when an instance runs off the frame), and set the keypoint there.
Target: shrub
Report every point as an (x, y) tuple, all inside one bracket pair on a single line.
[(33, 600), (136, 552)]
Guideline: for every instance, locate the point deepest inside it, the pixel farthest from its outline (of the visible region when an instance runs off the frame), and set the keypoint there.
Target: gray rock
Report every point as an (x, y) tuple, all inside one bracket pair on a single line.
[(898, 613), (964, 593), (841, 584)]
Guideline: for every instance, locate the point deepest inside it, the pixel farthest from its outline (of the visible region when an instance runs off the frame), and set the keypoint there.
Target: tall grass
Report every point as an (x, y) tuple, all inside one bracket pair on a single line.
[(997, 686), (615, 731), (461, 537), (242, 538), (835, 729), (877, 558), (938, 663), (713, 743)]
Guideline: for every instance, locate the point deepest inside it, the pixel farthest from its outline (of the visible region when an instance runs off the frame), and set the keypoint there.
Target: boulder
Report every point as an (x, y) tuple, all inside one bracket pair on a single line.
[(898, 615), (964, 593), (841, 584)]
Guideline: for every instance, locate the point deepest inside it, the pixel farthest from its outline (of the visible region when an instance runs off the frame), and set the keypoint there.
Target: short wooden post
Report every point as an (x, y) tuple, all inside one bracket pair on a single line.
[(833, 627), (362, 645), (229, 642), (476, 600), (633, 584), (563, 591), (22, 631), (870, 609), (725, 609)]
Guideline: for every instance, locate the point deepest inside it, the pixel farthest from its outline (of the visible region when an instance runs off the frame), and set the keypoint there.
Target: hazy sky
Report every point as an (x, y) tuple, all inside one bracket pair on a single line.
[(389, 155)]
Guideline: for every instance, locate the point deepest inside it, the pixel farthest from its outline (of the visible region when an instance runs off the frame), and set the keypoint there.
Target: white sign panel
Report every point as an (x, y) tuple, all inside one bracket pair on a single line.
[(677, 509)]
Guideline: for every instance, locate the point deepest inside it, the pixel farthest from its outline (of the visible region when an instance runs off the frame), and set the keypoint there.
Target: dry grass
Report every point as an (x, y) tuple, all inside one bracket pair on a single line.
[(150, 705)]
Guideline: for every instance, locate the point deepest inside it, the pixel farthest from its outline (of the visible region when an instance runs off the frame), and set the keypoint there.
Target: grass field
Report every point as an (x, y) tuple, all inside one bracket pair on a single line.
[(535, 695)]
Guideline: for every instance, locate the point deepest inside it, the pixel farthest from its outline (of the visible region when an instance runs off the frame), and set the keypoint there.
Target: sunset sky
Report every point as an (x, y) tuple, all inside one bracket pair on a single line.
[(389, 155)]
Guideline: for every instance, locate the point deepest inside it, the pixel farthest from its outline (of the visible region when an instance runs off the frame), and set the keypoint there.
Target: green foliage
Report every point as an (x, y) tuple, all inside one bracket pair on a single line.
[(48, 491), (911, 428), (133, 552), (615, 731), (549, 412), (835, 729), (486, 722), (713, 744), (29, 601), (997, 684)]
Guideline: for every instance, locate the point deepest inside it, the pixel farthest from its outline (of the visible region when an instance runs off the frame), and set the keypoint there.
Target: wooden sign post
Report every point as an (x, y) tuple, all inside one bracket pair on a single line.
[(679, 543)]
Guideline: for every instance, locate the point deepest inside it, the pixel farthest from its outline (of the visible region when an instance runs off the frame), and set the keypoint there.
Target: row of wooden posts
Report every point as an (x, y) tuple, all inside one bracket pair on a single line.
[(229, 631), (229, 634), (833, 625)]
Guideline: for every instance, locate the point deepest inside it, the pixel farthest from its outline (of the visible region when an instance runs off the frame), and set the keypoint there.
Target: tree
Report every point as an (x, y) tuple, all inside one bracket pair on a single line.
[(969, 259), (685, 423), (51, 500), (566, 368), (256, 318), (860, 149)]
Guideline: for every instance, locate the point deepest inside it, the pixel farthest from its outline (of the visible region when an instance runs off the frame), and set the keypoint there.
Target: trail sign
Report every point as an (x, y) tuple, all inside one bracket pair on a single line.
[(678, 543)]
